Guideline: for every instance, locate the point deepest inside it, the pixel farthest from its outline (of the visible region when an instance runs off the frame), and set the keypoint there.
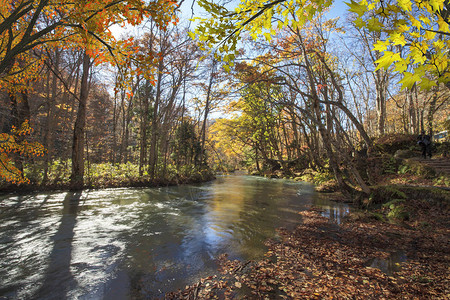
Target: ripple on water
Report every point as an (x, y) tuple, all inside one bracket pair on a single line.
[(143, 242)]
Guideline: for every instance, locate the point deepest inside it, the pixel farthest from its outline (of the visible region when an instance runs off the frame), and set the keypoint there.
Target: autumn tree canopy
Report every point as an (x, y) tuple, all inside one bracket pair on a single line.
[(419, 30), (28, 27), (29, 24)]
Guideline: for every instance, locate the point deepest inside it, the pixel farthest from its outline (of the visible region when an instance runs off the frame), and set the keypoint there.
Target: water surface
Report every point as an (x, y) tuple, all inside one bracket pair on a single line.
[(140, 243)]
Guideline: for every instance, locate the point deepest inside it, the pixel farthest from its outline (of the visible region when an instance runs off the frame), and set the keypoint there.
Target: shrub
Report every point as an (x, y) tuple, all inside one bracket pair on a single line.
[(419, 169), (398, 212), (403, 169), (385, 194), (442, 180), (390, 165), (390, 143)]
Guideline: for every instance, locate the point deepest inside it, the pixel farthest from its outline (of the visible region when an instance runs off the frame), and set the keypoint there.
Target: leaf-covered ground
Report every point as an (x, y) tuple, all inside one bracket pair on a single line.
[(321, 260)]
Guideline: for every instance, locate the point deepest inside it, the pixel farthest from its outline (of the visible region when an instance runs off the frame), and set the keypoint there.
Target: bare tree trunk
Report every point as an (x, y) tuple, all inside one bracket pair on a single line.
[(380, 101), (51, 101), (422, 125), (125, 140), (77, 177), (114, 131), (412, 112), (144, 127), (431, 111), (257, 159), (47, 132), (205, 117), (154, 136), (314, 144), (73, 105), (123, 127)]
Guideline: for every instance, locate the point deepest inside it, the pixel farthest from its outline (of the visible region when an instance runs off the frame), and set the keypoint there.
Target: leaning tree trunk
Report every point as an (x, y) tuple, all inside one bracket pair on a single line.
[(325, 135), (323, 130), (77, 177)]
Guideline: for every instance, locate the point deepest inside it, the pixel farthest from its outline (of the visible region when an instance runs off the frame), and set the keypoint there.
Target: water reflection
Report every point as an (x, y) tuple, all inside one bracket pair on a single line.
[(390, 264), (58, 275), (132, 243), (331, 210)]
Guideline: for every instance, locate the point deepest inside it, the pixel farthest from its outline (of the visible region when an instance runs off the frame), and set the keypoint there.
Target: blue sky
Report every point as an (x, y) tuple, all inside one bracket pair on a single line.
[(338, 9)]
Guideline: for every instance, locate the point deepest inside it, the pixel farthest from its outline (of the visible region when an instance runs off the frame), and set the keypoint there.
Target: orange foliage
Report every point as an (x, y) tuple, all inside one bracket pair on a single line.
[(27, 26), (11, 143), (78, 24)]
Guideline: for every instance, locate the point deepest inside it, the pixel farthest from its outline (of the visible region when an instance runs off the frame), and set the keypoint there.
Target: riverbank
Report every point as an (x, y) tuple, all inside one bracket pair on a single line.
[(368, 256), (100, 176)]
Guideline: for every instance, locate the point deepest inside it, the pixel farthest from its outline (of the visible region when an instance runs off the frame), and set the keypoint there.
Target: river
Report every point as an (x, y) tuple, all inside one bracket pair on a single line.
[(140, 243)]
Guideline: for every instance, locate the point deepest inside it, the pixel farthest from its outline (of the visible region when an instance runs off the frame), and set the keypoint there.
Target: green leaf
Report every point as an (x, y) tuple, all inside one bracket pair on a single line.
[(398, 39), (374, 24), (401, 66), (426, 83), (359, 23), (387, 60), (408, 80), (357, 8), (380, 45), (405, 4)]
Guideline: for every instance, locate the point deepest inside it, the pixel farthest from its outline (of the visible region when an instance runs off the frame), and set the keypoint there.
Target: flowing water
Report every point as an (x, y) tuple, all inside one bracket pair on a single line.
[(140, 243)]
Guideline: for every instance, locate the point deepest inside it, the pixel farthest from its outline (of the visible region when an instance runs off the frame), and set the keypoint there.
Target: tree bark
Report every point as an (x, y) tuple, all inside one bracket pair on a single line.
[(431, 111), (145, 106), (205, 117), (48, 141), (154, 136), (380, 101), (77, 177)]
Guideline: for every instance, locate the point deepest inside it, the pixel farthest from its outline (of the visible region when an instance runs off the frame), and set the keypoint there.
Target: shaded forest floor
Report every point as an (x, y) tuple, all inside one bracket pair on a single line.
[(368, 256)]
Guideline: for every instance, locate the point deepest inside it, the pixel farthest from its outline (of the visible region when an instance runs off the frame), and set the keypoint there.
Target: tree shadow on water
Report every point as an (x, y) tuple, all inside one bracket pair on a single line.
[(58, 279)]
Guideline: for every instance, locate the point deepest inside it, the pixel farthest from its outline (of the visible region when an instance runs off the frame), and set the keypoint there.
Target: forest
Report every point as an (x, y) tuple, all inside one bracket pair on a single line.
[(135, 93), (261, 89)]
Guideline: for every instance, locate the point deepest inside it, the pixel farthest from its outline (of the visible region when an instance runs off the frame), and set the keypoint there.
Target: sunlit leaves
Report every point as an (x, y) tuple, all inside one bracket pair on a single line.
[(222, 31), (418, 34), (72, 24), (405, 4), (29, 28), (398, 39), (357, 8), (14, 143), (387, 60), (411, 27), (380, 46)]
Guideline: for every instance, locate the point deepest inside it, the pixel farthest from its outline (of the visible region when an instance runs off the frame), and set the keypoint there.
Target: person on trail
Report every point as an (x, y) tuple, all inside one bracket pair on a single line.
[(424, 140)]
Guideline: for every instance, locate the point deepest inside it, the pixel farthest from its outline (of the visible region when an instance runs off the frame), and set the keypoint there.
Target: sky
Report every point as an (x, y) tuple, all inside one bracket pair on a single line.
[(338, 9)]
